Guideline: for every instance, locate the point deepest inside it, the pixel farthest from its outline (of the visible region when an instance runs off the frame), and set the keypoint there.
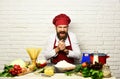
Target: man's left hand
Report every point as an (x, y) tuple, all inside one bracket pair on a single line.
[(66, 51)]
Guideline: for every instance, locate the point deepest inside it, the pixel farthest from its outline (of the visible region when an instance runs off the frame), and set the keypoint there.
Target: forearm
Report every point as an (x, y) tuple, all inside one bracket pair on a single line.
[(49, 54), (73, 54)]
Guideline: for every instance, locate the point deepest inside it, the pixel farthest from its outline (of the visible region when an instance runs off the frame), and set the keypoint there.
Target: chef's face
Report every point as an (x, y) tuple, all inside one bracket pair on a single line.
[(62, 31)]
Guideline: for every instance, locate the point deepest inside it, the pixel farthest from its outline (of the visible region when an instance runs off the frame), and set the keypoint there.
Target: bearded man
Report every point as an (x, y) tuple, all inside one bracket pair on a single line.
[(62, 45)]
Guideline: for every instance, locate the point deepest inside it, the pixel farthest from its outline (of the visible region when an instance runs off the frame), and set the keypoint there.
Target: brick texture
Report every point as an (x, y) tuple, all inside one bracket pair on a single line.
[(28, 23)]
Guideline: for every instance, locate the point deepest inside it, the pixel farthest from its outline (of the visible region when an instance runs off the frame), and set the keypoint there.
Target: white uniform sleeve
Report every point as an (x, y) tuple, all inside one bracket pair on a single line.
[(75, 53), (49, 52)]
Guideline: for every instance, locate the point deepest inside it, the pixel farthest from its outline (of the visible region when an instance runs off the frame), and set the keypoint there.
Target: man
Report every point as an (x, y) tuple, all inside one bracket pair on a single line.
[(63, 44)]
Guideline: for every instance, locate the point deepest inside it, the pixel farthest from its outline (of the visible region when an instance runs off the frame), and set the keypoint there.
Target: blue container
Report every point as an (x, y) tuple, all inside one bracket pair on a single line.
[(85, 58)]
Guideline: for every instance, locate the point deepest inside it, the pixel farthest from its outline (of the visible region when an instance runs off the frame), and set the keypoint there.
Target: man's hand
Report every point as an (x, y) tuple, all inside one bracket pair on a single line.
[(61, 45), (66, 51), (57, 49)]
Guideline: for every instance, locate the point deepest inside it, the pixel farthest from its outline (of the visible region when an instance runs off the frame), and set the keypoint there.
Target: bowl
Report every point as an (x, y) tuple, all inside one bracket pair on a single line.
[(63, 69), (63, 66)]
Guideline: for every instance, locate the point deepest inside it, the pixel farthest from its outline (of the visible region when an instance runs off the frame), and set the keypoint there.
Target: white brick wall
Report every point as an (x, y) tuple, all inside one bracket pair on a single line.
[(27, 23)]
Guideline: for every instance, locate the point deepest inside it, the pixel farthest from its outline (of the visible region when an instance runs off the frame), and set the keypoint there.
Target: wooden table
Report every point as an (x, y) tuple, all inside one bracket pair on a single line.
[(55, 76)]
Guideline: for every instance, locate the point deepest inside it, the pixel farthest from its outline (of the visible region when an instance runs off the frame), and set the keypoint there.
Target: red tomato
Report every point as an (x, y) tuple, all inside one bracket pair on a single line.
[(43, 65), (17, 67), (84, 64)]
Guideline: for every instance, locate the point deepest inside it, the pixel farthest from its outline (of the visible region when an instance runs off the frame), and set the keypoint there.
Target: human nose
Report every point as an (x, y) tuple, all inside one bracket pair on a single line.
[(62, 29)]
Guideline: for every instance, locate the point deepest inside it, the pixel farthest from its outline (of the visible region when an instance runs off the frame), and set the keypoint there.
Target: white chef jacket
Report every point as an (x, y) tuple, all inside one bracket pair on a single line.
[(74, 53)]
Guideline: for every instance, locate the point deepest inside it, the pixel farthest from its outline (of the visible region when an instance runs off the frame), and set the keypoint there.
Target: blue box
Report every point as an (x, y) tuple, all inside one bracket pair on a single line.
[(85, 58)]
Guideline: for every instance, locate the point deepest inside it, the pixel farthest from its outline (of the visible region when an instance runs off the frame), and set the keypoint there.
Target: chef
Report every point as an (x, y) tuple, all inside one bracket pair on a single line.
[(62, 45)]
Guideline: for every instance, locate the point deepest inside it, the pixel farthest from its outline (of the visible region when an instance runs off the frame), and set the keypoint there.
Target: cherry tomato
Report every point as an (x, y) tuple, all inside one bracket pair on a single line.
[(84, 64)]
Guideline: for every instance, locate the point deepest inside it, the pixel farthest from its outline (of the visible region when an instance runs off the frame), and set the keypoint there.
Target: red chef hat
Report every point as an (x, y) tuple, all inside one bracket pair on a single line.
[(61, 19)]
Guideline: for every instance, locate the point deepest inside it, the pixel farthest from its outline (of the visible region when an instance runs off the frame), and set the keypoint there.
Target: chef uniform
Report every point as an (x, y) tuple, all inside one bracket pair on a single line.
[(71, 43), (62, 55)]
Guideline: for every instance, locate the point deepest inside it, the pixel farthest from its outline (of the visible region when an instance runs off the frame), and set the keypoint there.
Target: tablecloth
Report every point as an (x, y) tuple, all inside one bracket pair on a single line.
[(55, 76)]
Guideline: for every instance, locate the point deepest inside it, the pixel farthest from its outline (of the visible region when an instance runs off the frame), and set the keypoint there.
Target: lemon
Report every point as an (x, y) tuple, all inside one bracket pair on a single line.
[(49, 71)]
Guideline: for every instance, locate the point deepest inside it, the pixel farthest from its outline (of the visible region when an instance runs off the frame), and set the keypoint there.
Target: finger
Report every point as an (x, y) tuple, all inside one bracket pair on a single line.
[(62, 40)]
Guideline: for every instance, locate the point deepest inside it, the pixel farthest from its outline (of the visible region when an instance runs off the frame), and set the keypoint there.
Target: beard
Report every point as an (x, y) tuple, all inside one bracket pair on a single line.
[(62, 37)]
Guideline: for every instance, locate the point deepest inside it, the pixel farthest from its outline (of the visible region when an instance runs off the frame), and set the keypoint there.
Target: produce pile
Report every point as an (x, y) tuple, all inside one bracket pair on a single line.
[(19, 67), (87, 70), (10, 70)]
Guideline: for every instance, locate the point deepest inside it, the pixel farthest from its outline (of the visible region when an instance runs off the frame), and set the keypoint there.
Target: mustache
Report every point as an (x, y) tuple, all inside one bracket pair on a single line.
[(62, 32)]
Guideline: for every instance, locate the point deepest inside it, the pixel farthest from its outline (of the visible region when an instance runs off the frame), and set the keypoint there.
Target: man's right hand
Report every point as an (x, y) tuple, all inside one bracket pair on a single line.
[(61, 45)]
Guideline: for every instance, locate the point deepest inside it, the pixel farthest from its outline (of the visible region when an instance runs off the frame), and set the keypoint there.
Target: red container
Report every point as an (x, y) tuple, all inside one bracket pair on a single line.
[(101, 57)]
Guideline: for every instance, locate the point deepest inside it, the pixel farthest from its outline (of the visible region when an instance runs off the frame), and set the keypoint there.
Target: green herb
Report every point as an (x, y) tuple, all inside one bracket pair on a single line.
[(69, 73), (97, 74), (86, 72), (77, 69), (5, 72)]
